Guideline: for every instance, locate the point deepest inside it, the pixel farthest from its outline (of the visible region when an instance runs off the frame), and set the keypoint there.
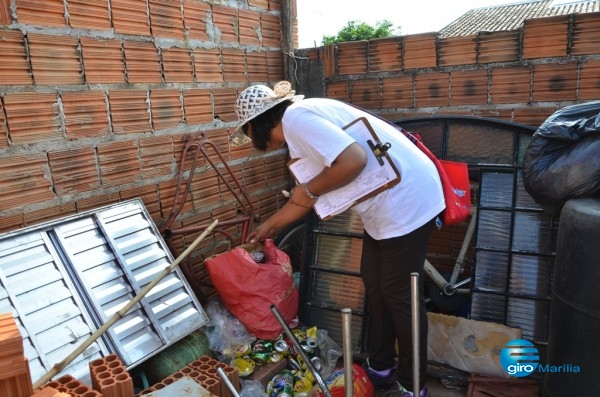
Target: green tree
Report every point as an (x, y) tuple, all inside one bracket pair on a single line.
[(357, 30)]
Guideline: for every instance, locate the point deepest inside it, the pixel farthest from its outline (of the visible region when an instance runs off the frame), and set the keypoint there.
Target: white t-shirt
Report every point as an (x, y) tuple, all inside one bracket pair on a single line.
[(313, 128)]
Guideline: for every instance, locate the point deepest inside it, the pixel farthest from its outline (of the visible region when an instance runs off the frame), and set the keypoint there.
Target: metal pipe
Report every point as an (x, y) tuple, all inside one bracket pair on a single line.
[(414, 297), (301, 351), (348, 362), (225, 379)]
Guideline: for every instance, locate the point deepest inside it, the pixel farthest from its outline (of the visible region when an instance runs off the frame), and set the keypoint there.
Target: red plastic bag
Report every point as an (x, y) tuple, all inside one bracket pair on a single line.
[(248, 289), (455, 183), (457, 190)]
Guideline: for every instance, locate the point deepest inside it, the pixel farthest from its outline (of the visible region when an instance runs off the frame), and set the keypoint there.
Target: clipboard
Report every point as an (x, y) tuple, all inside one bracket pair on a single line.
[(379, 174)]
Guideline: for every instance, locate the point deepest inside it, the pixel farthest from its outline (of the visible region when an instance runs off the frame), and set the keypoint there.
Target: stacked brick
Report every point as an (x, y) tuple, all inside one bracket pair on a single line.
[(204, 372), (110, 377), (15, 378), (50, 392), (73, 387)]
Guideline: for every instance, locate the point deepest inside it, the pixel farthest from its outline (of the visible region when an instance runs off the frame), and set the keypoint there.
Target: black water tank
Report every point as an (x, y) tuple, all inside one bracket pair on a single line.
[(574, 332)]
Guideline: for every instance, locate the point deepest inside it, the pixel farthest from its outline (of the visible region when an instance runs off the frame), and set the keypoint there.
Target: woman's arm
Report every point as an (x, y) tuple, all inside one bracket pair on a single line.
[(344, 169)]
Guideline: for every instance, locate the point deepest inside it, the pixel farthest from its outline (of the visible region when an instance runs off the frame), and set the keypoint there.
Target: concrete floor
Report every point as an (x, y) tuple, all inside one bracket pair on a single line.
[(437, 389)]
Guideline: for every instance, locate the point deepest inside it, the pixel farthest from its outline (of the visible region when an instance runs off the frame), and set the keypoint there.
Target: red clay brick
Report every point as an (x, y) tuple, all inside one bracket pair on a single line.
[(49, 214), (74, 170), (385, 54), (545, 37), (5, 15), (532, 116), (41, 12), (460, 50), (256, 66), (271, 30), (275, 65), (156, 156), (338, 90), (119, 162), (586, 31), (511, 84), (94, 202), (166, 19), (129, 111), (86, 114), (398, 92), (32, 117), (366, 93), (89, 14), (178, 65), (11, 222), (589, 80), (328, 60), (234, 64), (469, 87), (3, 134), (195, 16), (352, 57), (498, 46), (149, 196), (103, 61), (14, 68), (25, 179), (432, 89), (249, 27), (225, 19), (224, 99), (259, 3), (420, 51), (142, 62), (166, 108), (130, 17), (197, 104), (207, 65), (554, 81), (55, 59)]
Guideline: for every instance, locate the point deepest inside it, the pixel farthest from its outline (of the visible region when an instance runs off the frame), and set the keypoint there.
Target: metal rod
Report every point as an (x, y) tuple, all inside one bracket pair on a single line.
[(301, 351), (414, 297), (348, 362), (225, 379), (121, 313)]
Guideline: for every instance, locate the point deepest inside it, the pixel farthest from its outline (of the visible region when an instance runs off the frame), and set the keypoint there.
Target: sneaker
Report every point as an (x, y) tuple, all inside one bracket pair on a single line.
[(400, 391), (378, 380)]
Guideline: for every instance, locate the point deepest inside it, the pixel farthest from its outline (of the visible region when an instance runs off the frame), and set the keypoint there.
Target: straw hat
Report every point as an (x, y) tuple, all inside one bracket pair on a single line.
[(257, 99)]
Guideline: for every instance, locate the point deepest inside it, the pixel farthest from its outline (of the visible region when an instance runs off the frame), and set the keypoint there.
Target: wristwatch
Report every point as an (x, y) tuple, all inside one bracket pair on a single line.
[(308, 193)]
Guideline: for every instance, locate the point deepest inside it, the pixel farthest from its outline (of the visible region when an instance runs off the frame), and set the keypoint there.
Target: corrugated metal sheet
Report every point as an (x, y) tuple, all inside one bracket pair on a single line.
[(63, 280)]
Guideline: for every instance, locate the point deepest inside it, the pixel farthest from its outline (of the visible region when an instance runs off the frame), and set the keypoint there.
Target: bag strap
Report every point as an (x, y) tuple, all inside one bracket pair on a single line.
[(407, 134)]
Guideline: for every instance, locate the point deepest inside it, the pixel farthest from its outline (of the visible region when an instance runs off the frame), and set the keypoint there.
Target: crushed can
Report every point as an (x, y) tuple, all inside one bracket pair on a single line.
[(281, 385), (261, 351), (245, 365), (302, 386), (282, 347)]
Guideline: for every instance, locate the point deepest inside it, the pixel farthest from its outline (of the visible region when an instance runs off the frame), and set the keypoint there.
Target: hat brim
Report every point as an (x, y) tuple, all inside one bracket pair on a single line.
[(238, 138)]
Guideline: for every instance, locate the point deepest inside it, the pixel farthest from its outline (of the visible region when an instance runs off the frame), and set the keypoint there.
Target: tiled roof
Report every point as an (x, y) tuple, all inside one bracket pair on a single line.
[(511, 16)]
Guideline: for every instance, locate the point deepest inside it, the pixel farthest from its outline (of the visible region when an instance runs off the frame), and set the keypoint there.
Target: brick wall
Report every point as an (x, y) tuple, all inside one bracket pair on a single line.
[(522, 75), (99, 97)]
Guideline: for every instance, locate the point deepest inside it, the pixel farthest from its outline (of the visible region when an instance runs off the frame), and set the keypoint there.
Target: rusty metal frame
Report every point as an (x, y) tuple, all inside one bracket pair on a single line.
[(199, 146)]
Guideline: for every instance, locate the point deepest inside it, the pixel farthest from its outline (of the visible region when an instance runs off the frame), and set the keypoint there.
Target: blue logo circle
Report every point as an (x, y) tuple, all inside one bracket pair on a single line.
[(519, 358)]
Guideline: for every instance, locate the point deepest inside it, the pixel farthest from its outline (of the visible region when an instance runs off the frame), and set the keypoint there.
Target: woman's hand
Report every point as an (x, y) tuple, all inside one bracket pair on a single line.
[(297, 206)]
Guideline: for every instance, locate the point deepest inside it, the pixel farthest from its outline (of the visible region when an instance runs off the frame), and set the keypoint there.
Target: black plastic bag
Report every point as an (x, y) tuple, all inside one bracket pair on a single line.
[(562, 160)]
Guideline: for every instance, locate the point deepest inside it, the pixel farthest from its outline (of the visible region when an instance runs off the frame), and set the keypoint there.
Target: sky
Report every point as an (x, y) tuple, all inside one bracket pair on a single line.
[(326, 17)]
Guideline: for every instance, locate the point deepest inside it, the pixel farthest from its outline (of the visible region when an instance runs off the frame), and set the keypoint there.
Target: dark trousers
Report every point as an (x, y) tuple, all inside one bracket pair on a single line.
[(385, 268)]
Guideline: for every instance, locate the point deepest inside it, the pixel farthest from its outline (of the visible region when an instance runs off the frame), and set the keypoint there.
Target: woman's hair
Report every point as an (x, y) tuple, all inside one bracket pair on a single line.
[(264, 123)]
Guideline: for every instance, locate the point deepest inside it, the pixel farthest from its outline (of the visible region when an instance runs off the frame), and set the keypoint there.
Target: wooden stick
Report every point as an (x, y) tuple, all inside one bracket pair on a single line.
[(121, 313)]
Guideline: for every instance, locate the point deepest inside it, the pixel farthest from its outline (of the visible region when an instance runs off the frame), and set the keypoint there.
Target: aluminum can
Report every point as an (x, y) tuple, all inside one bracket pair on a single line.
[(261, 351), (244, 365), (282, 347), (302, 386), (258, 256), (282, 384)]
